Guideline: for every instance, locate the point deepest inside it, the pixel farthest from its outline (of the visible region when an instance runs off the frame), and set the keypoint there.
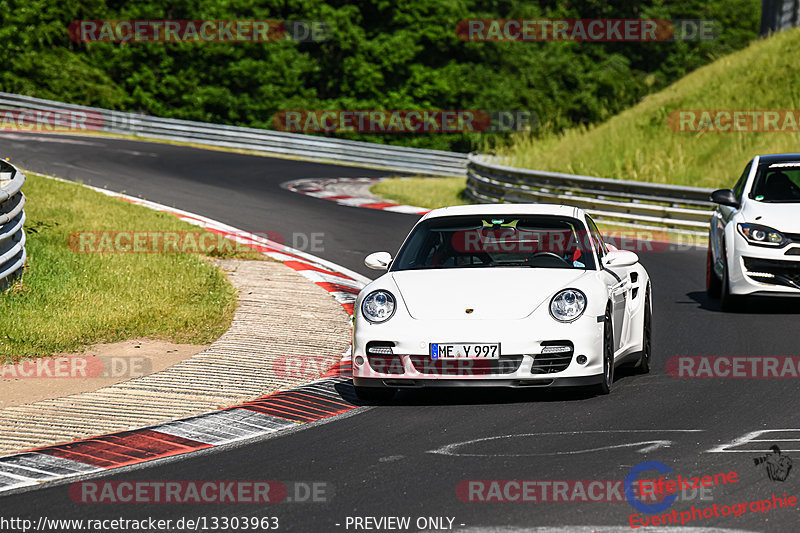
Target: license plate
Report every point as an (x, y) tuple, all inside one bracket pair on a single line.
[(465, 351)]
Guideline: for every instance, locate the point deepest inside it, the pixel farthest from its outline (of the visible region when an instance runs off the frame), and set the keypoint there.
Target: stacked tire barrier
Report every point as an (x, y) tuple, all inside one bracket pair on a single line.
[(625, 203), (12, 218)]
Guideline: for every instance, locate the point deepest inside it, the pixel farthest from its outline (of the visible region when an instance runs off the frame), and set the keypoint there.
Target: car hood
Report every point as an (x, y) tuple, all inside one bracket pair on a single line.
[(492, 293), (782, 217)]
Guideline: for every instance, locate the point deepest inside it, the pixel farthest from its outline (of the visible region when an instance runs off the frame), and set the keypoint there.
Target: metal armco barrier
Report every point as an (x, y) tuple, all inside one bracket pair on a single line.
[(633, 203), (627, 203), (12, 217), (81, 119)]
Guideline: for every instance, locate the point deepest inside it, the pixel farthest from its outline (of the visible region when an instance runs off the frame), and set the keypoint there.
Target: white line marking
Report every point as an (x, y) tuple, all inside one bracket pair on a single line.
[(321, 277), (54, 467), (450, 449), (44, 138), (8, 483), (751, 437), (407, 209), (48, 463)]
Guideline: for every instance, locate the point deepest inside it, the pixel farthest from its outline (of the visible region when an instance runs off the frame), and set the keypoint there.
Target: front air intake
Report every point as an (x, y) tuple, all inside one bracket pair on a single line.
[(554, 357)]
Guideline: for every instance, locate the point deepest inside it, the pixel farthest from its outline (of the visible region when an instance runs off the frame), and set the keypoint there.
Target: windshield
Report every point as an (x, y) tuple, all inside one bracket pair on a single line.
[(497, 241), (777, 183)]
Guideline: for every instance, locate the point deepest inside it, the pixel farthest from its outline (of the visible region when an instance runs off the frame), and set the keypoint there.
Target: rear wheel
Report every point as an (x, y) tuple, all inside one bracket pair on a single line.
[(375, 394), (713, 284), (608, 355), (643, 365)]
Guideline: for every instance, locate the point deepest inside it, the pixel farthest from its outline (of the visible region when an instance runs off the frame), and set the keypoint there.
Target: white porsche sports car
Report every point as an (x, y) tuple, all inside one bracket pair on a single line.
[(754, 242), (524, 295)]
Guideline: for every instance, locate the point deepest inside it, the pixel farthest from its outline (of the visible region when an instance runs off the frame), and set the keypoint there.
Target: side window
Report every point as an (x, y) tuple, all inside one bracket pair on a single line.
[(599, 245), (738, 189)]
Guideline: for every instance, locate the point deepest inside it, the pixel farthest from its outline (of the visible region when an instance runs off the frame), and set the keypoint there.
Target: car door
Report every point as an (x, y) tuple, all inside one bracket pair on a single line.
[(619, 284)]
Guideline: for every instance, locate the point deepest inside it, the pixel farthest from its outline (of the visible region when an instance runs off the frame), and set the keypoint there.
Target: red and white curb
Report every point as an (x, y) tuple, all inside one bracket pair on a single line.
[(342, 283), (328, 396), (331, 189)]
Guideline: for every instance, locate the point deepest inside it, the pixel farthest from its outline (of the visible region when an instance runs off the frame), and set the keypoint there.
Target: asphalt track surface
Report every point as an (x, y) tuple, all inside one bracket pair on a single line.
[(383, 460)]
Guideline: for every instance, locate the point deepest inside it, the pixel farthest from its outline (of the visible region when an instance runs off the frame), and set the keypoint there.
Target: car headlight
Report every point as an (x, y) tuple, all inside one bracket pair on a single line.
[(378, 306), (761, 235), (568, 305)]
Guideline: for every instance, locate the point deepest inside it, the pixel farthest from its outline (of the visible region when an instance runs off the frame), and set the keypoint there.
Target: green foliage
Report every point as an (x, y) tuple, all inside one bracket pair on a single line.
[(381, 55)]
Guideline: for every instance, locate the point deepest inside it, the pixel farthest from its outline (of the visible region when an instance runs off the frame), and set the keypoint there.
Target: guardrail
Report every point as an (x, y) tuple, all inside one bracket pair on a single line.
[(317, 148), (623, 203), (626, 203), (12, 217)]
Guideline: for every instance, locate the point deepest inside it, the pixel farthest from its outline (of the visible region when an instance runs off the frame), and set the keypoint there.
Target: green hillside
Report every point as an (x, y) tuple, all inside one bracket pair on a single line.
[(639, 144)]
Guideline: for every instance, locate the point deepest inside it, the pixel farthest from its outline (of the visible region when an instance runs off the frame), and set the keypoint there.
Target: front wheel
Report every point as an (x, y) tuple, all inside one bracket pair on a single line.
[(713, 284), (608, 356), (728, 301)]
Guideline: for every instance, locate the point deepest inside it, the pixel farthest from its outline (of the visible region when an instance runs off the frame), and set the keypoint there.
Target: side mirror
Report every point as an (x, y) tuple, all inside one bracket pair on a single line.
[(620, 258), (378, 260), (724, 197)]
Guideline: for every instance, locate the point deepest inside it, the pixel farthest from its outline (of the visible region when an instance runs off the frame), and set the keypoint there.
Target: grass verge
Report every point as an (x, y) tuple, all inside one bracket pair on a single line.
[(67, 300), (423, 192)]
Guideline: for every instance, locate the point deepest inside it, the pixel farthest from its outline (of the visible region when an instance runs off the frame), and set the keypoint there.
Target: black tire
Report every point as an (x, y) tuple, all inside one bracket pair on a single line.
[(728, 302), (608, 355), (713, 283), (645, 356), (375, 394)]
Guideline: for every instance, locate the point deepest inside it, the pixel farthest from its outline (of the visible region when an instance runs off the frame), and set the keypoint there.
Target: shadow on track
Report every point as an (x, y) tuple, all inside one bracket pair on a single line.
[(485, 395), (753, 305)]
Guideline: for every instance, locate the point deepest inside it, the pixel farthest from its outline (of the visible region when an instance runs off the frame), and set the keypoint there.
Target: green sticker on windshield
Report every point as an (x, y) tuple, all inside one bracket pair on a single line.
[(500, 222), (759, 197)]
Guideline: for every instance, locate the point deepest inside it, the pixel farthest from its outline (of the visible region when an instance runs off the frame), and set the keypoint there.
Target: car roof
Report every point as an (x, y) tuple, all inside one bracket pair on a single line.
[(778, 158), (507, 209)]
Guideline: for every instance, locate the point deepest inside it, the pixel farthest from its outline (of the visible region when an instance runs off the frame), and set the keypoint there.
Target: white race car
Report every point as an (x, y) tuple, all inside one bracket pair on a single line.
[(754, 242), (501, 295)]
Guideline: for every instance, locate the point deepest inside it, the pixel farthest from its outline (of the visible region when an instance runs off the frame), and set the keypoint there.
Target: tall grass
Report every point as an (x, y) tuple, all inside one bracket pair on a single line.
[(638, 144)]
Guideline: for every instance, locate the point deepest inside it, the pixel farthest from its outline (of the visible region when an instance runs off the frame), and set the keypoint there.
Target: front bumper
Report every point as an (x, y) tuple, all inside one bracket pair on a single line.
[(764, 271), (524, 347), (582, 381)]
